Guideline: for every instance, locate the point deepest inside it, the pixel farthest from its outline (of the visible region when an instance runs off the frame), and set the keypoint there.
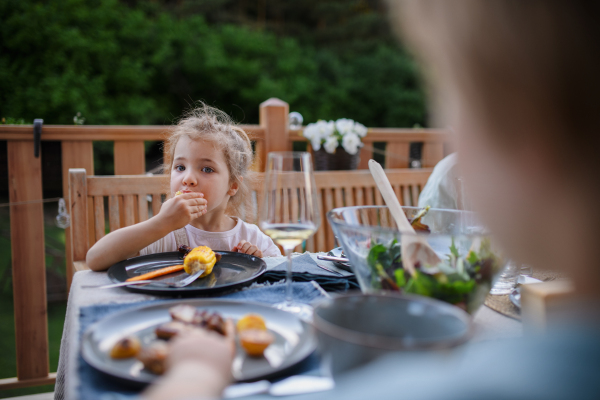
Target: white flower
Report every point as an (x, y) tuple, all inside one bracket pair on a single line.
[(316, 143), (325, 128), (317, 132), (310, 131), (344, 125), (331, 143), (360, 129), (351, 143)]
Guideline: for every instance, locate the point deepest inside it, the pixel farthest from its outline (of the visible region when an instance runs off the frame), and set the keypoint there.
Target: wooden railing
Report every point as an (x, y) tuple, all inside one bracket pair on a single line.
[(27, 222)]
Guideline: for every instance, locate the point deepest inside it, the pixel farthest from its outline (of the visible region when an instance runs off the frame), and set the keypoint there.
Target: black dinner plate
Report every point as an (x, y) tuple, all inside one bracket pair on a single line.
[(233, 270), (294, 339)]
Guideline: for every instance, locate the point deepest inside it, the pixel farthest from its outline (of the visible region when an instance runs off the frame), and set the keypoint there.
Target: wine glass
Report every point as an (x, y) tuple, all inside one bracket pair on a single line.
[(289, 211)]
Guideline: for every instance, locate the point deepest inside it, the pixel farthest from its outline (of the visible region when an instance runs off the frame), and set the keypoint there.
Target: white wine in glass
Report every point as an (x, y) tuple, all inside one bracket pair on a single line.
[(289, 212)]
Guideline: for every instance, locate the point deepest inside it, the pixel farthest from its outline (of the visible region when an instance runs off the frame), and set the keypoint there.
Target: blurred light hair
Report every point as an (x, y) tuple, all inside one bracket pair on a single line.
[(211, 125)]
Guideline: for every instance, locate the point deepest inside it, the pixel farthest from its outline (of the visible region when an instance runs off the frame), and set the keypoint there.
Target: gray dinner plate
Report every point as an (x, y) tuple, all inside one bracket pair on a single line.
[(294, 339), (233, 270)]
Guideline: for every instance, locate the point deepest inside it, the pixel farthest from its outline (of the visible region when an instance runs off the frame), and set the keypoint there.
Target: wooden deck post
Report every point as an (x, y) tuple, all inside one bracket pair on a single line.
[(274, 119), (79, 214), (75, 154), (28, 260)]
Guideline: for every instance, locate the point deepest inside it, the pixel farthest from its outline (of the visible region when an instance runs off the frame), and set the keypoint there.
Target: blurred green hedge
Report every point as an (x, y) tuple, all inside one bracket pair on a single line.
[(141, 64)]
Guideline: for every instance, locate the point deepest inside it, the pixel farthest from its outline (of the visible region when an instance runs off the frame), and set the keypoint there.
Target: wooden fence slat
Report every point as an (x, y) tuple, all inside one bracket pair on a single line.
[(369, 196), (359, 196), (128, 210), (415, 195), (156, 203), (114, 217), (28, 260), (328, 207), (378, 199), (99, 222), (320, 235), (91, 223), (339, 201), (142, 207), (79, 214), (349, 196), (130, 158), (287, 217), (406, 195), (398, 191)]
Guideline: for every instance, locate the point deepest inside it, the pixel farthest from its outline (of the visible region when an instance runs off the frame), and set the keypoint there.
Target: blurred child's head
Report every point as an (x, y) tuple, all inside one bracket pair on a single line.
[(518, 82), (212, 131)]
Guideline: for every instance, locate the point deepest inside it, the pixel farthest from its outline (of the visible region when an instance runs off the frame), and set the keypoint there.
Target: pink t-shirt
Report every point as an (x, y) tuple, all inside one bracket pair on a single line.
[(224, 241)]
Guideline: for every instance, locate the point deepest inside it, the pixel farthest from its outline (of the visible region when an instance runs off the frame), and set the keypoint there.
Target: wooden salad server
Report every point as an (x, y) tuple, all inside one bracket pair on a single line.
[(414, 247)]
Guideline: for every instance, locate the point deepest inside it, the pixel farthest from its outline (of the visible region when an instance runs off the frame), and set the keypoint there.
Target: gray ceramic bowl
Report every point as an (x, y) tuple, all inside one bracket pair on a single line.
[(355, 329)]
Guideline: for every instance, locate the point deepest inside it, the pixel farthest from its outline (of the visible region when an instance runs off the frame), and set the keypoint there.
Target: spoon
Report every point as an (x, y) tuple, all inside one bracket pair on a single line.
[(414, 247)]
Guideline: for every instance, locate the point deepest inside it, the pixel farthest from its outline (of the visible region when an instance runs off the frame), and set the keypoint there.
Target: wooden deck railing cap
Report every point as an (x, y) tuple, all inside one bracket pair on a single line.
[(273, 101)]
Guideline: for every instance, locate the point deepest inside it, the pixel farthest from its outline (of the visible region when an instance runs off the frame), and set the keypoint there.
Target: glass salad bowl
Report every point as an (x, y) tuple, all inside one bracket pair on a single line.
[(372, 242)]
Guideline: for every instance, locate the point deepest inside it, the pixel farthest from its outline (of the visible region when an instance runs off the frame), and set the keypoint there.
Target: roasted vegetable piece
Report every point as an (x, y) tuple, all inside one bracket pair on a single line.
[(126, 347), (255, 341), (200, 258), (184, 313), (156, 273), (416, 221), (251, 321), (154, 356), (167, 330), (184, 249)]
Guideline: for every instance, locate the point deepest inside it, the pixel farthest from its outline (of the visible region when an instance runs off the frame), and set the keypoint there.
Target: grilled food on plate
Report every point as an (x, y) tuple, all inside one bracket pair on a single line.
[(254, 337), (200, 258)]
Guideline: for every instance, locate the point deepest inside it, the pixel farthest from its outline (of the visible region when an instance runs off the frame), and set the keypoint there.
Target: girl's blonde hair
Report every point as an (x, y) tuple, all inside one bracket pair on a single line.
[(209, 124)]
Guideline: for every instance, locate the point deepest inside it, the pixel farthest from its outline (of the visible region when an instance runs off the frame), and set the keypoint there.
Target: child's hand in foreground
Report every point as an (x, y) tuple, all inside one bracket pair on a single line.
[(180, 210), (247, 248), (198, 366)]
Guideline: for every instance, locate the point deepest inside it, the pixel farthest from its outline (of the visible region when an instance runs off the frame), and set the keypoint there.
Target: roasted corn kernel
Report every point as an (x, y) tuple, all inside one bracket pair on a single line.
[(200, 258)]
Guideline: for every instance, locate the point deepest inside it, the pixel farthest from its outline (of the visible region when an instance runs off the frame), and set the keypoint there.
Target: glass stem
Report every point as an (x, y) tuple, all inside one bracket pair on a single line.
[(288, 283)]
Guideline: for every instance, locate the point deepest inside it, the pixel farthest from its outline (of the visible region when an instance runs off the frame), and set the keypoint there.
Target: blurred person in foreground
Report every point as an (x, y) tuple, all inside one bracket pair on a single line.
[(519, 82)]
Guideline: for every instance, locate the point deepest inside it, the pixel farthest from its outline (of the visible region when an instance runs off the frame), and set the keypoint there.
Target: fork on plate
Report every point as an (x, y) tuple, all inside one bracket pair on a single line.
[(178, 284)]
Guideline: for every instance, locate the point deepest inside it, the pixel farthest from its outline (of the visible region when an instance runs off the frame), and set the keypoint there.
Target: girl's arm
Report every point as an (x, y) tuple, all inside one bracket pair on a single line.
[(126, 242)]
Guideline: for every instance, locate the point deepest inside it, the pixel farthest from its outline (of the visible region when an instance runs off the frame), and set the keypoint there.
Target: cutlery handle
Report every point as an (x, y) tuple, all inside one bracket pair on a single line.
[(332, 258), (114, 285), (387, 192), (329, 270)]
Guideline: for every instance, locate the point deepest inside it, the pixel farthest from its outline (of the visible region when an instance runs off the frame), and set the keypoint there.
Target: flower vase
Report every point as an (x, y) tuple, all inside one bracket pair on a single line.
[(340, 160)]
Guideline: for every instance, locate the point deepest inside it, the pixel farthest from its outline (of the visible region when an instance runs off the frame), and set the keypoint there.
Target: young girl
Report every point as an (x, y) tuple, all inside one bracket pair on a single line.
[(209, 158)]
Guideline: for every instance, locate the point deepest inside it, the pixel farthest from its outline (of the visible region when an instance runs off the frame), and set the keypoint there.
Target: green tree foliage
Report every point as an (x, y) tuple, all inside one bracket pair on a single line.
[(140, 62)]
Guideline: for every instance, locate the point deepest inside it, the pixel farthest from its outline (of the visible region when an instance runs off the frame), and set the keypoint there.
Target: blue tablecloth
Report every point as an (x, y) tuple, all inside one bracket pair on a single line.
[(96, 385)]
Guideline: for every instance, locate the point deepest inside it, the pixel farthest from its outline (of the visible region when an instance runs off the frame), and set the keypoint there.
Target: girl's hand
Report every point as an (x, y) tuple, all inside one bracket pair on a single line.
[(180, 210), (247, 248)]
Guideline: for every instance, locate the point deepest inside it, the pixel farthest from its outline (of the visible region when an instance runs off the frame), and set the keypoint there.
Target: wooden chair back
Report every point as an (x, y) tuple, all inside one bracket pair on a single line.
[(101, 204)]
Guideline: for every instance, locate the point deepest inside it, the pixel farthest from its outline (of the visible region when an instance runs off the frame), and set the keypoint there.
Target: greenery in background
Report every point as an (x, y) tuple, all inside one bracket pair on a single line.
[(138, 62), (8, 361)]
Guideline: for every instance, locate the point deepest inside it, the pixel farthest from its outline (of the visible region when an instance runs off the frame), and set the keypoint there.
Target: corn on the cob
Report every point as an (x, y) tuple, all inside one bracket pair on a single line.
[(201, 257)]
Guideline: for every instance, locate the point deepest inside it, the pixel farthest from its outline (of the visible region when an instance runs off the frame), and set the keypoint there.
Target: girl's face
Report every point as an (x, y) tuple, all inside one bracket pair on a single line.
[(200, 167)]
